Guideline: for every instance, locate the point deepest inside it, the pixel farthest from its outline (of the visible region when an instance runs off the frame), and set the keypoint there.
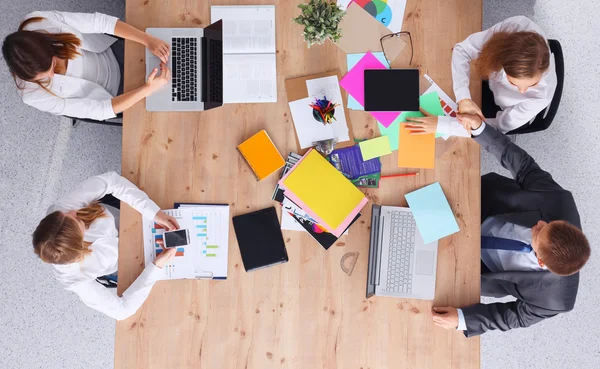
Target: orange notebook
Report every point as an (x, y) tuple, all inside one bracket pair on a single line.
[(415, 151), (261, 155)]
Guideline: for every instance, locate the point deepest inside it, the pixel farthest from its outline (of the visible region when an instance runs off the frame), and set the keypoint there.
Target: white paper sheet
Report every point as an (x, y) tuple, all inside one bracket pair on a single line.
[(207, 254), (249, 78), (246, 29), (330, 88)]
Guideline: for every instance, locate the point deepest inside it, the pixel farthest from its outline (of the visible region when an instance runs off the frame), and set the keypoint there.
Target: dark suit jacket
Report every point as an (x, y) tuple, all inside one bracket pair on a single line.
[(532, 196)]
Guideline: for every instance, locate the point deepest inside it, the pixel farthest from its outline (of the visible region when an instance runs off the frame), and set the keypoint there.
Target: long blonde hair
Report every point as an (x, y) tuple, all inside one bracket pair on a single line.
[(58, 238), (520, 54)]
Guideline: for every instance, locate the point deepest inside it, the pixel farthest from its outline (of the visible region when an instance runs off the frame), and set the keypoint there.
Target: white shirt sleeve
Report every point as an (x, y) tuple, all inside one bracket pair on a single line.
[(106, 300), (479, 130), (462, 324), (83, 22), (95, 188), (72, 107), (468, 50), (450, 126), (518, 115)]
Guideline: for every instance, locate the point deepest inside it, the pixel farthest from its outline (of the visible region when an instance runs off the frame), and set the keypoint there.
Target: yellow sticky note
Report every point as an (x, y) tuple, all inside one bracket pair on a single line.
[(416, 151), (323, 189), (375, 148)]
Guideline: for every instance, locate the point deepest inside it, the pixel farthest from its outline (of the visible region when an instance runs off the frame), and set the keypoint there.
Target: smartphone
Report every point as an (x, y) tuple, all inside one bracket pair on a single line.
[(180, 237)]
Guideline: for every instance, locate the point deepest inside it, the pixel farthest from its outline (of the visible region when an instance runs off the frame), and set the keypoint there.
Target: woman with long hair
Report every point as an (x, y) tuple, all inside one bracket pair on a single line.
[(67, 64), (515, 59), (79, 238)]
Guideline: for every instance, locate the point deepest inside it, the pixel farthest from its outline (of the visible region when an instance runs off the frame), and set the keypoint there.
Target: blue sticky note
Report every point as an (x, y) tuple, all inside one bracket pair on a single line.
[(352, 60), (432, 212)]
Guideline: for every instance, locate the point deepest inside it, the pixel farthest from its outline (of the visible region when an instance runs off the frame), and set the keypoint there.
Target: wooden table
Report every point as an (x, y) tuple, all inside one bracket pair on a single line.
[(308, 313)]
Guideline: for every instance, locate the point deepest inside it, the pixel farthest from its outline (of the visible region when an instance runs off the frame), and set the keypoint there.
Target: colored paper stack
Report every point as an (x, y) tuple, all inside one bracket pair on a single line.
[(316, 192)]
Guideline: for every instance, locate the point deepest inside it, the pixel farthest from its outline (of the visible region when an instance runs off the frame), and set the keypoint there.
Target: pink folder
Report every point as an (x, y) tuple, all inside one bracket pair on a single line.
[(335, 231), (354, 83)]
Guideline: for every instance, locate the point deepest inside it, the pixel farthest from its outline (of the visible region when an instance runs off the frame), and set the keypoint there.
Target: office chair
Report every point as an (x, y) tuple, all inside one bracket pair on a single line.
[(116, 121), (544, 118)]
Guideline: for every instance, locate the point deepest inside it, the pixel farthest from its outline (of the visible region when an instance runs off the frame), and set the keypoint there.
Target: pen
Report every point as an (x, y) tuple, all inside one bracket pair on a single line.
[(400, 175)]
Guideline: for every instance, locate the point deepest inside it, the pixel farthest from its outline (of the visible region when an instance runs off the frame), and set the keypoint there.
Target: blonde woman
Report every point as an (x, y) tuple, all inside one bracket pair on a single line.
[(67, 64), (79, 238)]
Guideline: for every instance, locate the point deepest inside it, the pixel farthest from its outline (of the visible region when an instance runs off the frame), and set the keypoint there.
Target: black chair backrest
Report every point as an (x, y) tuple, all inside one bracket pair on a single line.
[(541, 123)]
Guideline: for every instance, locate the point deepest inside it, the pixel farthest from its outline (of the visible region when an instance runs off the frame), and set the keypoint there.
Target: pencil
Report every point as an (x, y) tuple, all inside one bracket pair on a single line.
[(400, 175)]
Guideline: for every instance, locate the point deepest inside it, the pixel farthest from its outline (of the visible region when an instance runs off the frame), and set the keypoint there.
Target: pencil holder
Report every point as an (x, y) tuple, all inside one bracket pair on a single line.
[(323, 110)]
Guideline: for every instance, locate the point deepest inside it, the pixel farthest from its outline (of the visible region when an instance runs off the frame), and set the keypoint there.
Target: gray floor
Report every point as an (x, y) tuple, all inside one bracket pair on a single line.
[(42, 156)]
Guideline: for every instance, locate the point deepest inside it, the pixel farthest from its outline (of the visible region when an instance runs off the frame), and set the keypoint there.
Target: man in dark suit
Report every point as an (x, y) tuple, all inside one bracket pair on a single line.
[(532, 246)]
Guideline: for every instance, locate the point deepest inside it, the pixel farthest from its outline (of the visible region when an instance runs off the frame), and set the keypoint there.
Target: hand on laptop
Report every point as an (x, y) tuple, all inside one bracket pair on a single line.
[(445, 317), (157, 47), (157, 80), (422, 126)]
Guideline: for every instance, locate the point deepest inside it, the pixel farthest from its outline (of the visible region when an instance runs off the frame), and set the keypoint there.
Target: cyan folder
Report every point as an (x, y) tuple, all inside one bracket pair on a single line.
[(432, 212)]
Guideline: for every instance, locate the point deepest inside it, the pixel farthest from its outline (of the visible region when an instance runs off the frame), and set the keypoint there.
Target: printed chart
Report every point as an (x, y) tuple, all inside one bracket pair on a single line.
[(207, 254)]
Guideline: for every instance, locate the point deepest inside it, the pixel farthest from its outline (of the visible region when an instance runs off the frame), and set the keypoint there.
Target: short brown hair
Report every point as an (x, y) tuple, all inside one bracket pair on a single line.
[(520, 54), (567, 249)]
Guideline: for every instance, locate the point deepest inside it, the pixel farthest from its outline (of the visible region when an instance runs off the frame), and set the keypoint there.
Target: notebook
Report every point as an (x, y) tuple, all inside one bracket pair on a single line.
[(249, 61), (260, 240), (261, 155), (323, 192)]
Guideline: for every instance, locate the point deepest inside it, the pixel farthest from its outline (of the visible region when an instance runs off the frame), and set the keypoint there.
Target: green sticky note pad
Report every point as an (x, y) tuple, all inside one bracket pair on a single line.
[(431, 103), (375, 148)]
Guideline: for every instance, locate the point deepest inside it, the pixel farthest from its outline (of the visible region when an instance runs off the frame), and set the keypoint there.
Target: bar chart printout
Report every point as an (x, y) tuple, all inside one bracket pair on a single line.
[(207, 254)]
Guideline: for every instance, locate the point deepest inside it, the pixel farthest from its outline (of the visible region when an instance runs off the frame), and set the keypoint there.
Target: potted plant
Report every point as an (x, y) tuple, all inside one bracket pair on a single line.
[(320, 19)]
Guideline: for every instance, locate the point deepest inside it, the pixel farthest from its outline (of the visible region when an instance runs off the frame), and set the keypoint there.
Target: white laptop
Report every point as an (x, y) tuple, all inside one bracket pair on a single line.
[(400, 263)]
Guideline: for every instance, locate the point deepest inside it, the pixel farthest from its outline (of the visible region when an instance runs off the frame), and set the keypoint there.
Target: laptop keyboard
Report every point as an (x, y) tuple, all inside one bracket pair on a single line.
[(402, 248), (184, 61)]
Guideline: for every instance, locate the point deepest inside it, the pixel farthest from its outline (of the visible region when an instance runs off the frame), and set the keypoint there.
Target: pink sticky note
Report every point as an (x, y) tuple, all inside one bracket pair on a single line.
[(354, 83)]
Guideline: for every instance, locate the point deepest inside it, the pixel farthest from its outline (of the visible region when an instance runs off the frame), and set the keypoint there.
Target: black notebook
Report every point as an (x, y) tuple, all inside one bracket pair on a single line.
[(260, 239)]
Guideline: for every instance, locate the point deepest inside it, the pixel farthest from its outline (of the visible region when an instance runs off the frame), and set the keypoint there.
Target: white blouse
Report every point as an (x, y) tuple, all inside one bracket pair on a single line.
[(517, 109), (79, 94), (104, 235), (100, 68)]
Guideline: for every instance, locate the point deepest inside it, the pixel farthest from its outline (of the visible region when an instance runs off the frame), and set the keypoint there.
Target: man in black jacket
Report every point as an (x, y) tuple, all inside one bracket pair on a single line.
[(532, 246)]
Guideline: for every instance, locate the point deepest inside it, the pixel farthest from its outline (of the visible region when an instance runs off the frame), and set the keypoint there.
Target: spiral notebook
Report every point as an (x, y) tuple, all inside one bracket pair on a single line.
[(262, 156)]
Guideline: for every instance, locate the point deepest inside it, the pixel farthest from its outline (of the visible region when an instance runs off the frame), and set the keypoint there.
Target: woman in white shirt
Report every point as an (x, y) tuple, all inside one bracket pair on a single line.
[(515, 58), (63, 64), (80, 239)]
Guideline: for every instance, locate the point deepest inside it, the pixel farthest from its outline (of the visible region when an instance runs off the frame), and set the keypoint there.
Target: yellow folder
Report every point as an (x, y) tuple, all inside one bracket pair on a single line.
[(261, 155), (322, 191)]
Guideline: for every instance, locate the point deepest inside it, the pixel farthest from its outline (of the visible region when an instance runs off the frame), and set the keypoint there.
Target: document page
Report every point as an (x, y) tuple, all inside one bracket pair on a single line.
[(246, 29), (249, 78)]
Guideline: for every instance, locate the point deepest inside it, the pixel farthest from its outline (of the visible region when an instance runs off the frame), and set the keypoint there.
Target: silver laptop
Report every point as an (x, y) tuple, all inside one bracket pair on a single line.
[(196, 63), (400, 263)]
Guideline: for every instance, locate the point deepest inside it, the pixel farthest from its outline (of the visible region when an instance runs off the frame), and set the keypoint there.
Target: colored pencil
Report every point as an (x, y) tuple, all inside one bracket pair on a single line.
[(400, 175)]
